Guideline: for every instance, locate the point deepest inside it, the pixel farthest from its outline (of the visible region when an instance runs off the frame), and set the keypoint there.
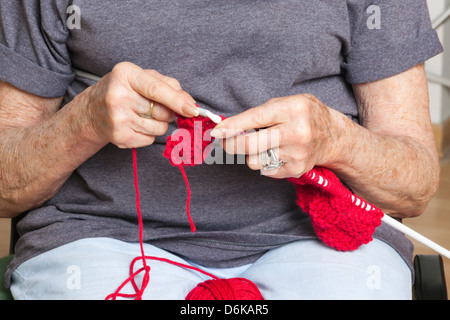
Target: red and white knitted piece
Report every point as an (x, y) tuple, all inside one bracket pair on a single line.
[(340, 219)]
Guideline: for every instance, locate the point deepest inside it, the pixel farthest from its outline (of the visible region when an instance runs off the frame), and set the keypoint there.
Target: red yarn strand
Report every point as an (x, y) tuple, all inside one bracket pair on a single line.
[(138, 205), (138, 292), (188, 201), (146, 269), (178, 264)]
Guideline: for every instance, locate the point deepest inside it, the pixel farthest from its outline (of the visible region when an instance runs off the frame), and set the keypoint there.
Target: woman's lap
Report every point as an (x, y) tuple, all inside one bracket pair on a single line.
[(94, 268), (310, 270)]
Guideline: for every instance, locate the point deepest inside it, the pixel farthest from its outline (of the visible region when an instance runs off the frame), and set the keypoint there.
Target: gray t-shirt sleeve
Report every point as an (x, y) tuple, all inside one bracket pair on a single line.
[(33, 52), (388, 38)]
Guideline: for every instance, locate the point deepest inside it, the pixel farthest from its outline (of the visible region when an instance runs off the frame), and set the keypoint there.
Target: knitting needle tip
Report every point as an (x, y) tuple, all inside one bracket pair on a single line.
[(208, 114)]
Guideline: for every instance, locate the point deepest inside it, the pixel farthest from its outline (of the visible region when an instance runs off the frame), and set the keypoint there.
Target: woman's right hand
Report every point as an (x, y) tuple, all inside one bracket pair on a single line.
[(42, 144), (116, 102)]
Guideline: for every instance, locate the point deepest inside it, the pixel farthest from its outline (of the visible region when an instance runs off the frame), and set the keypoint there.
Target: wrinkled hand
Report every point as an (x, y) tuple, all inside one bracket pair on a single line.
[(117, 101), (301, 130)]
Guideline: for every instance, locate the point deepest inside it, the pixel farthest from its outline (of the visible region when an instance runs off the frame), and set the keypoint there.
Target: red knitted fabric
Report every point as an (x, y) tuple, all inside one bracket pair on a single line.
[(340, 219), (192, 152)]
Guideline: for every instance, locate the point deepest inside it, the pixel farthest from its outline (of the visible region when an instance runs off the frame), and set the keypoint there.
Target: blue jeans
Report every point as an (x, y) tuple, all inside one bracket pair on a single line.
[(93, 268)]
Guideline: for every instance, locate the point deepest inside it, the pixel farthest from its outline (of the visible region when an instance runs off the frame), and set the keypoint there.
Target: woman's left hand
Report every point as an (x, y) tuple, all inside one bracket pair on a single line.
[(300, 129)]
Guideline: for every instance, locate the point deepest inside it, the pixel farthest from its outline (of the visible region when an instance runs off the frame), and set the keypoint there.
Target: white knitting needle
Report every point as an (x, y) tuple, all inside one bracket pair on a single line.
[(208, 114), (87, 75), (416, 236)]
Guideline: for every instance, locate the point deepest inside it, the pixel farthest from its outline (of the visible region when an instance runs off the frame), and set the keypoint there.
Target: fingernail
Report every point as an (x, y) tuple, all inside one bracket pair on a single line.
[(191, 110), (220, 133)]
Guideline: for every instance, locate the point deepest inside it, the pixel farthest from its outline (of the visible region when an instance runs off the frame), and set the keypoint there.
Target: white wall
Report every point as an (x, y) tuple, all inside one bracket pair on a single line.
[(439, 65)]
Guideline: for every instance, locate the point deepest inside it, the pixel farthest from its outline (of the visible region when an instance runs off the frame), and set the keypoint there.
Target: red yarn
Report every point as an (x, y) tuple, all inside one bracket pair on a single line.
[(226, 289), (222, 289), (146, 269)]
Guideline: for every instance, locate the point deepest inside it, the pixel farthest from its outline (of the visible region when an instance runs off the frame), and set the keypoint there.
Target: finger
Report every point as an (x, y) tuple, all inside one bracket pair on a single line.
[(142, 141), (264, 116), (153, 110), (258, 161), (162, 113), (157, 90), (292, 167), (129, 139), (149, 127), (174, 83), (253, 142)]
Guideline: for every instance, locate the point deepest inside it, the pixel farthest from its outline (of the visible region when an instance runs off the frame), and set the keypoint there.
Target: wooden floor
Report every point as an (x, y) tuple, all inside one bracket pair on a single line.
[(434, 223)]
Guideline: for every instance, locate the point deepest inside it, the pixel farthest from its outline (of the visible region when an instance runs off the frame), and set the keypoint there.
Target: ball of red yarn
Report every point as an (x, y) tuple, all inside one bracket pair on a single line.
[(226, 289)]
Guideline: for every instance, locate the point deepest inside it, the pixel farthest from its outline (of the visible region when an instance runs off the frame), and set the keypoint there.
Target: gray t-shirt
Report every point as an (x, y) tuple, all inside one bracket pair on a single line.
[(230, 56)]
